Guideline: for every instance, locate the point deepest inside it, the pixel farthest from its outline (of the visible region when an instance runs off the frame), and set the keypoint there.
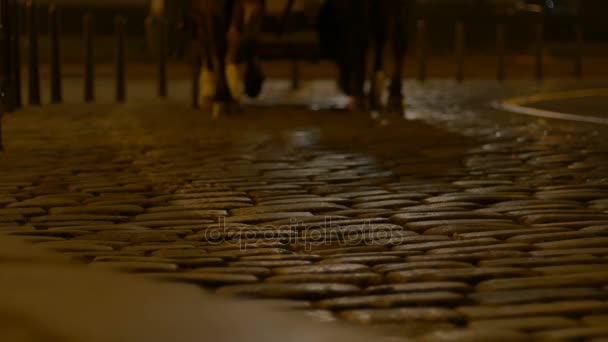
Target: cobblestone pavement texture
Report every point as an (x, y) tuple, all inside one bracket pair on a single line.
[(460, 224), (45, 297)]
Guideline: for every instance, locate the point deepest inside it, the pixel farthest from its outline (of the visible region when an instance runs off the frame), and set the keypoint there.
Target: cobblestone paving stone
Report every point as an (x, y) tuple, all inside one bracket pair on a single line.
[(464, 225)]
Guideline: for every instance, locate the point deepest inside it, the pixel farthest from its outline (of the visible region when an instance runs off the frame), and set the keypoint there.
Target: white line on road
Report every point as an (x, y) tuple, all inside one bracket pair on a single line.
[(519, 105)]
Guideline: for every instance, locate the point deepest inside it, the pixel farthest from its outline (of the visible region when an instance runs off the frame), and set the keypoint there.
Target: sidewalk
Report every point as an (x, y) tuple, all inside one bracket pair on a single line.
[(462, 223), (44, 297)]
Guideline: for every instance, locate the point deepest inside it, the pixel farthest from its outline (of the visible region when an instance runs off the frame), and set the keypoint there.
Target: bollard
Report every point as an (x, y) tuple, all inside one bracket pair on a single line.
[(459, 45), (121, 90), (539, 33), (5, 60), (500, 51), (196, 84), (55, 56), (88, 24), (422, 50), (295, 75), (578, 30), (162, 58), (16, 98), (34, 68), (5, 55)]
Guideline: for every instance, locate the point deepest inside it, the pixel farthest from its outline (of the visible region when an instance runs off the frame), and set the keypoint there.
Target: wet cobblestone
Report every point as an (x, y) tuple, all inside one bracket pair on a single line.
[(467, 222)]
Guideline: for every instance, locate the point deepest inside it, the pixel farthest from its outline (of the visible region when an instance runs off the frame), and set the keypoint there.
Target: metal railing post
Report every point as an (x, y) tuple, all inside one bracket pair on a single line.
[(34, 67), (5, 59), (88, 23), (196, 85), (295, 75), (162, 58), (33, 53), (15, 77), (55, 62), (121, 88), (580, 44), (500, 51), (459, 45), (422, 49), (540, 42)]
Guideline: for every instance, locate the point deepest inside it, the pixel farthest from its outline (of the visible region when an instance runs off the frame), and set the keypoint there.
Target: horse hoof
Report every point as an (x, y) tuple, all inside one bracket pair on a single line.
[(234, 80), (235, 108), (384, 122), (207, 85), (395, 105), (254, 78), (219, 109), (204, 103), (357, 104), (377, 90)]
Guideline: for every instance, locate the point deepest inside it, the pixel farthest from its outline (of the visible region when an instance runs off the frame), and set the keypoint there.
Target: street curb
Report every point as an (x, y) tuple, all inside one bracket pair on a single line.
[(45, 297), (521, 105)]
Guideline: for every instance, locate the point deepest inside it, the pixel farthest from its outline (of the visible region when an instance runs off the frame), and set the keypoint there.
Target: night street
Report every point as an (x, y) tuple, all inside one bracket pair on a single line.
[(303, 170), (458, 223)]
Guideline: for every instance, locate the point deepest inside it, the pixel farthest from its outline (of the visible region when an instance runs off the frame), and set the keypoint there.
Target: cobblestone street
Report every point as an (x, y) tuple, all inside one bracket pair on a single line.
[(459, 223)]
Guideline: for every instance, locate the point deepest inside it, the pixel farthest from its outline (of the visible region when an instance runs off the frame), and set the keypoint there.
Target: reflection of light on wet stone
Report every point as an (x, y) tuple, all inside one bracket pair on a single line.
[(304, 138), (321, 316), (328, 103), (413, 115), (318, 94)]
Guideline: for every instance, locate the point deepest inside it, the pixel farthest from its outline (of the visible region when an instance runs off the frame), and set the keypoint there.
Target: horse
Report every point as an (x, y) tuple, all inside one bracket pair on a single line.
[(228, 33), (348, 29)]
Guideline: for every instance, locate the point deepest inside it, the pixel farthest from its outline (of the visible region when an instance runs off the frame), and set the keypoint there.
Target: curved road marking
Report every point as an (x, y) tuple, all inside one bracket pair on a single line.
[(520, 105)]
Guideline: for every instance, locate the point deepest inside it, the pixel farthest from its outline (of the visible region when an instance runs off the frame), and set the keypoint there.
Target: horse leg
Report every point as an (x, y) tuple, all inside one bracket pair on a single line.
[(206, 82), (233, 79), (243, 44), (354, 61), (254, 11), (358, 98), (380, 31), (234, 37), (222, 99), (204, 51), (399, 46)]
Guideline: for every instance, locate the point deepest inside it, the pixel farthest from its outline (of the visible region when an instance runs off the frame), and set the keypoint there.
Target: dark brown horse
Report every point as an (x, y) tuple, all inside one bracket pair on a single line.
[(349, 29), (227, 31)]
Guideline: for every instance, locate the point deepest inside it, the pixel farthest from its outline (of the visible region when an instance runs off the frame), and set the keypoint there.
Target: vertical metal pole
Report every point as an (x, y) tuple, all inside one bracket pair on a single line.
[(196, 85), (422, 50), (539, 33), (459, 44), (56, 96), (5, 67), (580, 43), (121, 89), (162, 58), (34, 67), (17, 100), (500, 51), (88, 23), (5, 57), (295, 75)]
